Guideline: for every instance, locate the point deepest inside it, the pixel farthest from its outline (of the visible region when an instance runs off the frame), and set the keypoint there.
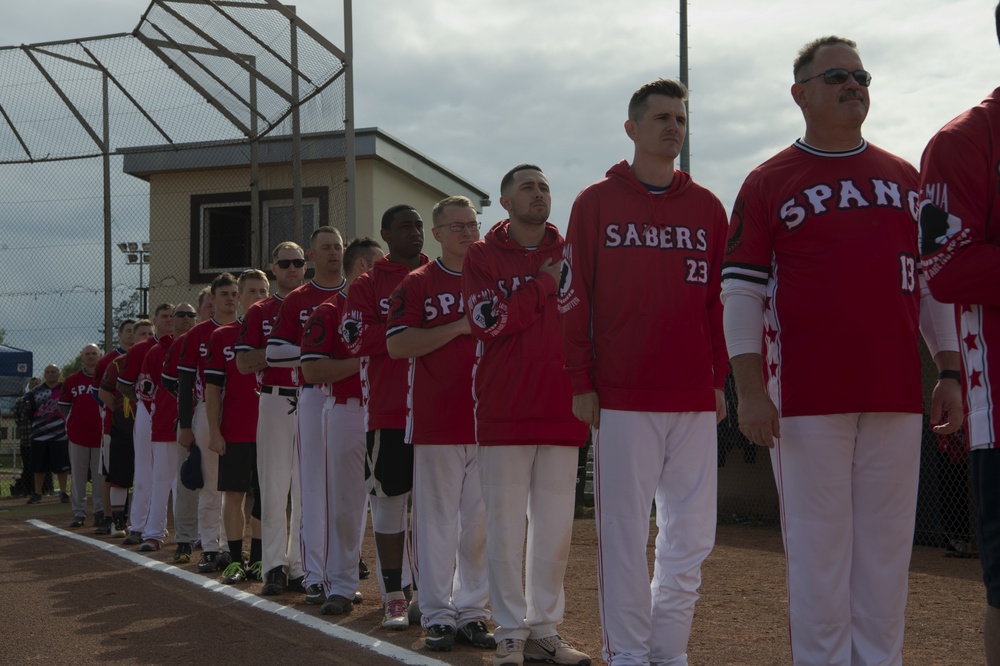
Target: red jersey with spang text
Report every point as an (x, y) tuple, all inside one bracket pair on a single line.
[(194, 351), (102, 366), (164, 414), (383, 379), (239, 392), (294, 312), (83, 424), (641, 314), (439, 405), (960, 249), (321, 339), (523, 395), (831, 238), (258, 322)]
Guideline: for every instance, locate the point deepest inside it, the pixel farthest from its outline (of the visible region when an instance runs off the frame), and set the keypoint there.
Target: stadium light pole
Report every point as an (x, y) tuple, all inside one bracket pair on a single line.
[(138, 253)]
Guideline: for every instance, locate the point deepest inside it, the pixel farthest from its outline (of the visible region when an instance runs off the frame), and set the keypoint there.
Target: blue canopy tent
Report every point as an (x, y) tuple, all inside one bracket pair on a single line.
[(15, 370)]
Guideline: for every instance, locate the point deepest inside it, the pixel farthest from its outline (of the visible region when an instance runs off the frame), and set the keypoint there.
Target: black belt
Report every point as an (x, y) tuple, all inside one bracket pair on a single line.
[(283, 391)]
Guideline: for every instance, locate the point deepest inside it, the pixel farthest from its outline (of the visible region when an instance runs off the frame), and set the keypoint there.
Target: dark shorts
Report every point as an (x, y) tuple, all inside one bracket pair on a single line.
[(51, 455), (121, 460), (388, 463), (238, 468), (985, 465)]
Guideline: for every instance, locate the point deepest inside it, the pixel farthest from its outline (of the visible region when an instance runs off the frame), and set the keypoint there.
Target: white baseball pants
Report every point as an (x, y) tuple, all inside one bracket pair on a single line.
[(847, 485), (312, 477), (639, 458), (278, 474), (164, 475), (534, 484), (185, 504), (449, 535), (344, 435), (142, 481), (209, 497)]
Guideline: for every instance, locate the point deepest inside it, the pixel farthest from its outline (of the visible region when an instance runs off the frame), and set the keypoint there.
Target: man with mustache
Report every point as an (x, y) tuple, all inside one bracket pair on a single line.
[(823, 299)]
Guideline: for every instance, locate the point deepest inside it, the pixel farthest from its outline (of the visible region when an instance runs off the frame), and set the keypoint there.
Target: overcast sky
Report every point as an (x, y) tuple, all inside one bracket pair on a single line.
[(498, 82), (480, 86)]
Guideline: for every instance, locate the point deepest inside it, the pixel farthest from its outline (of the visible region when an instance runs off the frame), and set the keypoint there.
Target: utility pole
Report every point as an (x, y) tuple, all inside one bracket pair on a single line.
[(686, 148)]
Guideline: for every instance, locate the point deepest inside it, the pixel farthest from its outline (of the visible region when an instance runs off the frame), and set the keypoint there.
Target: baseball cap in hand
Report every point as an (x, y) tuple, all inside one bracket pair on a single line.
[(191, 470)]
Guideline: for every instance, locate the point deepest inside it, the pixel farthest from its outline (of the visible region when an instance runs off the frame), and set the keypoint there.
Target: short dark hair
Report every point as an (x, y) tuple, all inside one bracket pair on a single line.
[(359, 247), (223, 280), (325, 230), (665, 87), (808, 52), (388, 215), (161, 307), (285, 245), (202, 294), (143, 322), (123, 324), (251, 274), (508, 177), (457, 202)]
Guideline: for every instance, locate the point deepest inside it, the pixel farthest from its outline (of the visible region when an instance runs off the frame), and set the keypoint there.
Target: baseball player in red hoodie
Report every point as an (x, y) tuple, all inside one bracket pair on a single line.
[(528, 437), (647, 374)]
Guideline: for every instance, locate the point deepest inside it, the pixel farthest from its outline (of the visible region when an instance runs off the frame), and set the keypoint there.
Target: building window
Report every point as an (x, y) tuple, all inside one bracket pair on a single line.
[(223, 237)]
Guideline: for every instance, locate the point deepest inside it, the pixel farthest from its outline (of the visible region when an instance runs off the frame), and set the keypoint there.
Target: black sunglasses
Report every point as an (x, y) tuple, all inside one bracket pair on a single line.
[(192, 315), (839, 75), (285, 263)]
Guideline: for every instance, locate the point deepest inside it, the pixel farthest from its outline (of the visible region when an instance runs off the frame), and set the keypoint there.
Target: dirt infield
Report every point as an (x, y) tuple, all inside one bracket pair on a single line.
[(69, 602)]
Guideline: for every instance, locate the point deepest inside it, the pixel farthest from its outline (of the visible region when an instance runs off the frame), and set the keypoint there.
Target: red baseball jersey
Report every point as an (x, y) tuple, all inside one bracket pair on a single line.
[(636, 264), (523, 395), (439, 405), (102, 366), (83, 424), (960, 249), (194, 350), (123, 415), (258, 322), (239, 392), (831, 238), (321, 339), (168, 376), (164, 414), (294, 312), (131, 369), (383, 379)]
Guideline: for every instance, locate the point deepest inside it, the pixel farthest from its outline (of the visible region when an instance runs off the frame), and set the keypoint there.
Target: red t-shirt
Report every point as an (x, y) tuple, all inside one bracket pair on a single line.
[(239, 392), (295, 310), (83, 424), (440, 409), (131, 369), (321, 339), (164, 415), (258, 323), (383, 379), (832, 239)]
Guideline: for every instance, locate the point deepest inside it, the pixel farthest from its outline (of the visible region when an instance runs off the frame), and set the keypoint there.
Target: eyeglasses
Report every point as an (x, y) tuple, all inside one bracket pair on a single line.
[(458, 227), (192, 315), (839, 75), (285, 263)]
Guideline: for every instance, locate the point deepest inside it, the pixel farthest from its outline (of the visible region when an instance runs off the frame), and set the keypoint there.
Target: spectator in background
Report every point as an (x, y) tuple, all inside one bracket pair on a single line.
[(49, 447), (206, 304), (83, 429), (25, 484)]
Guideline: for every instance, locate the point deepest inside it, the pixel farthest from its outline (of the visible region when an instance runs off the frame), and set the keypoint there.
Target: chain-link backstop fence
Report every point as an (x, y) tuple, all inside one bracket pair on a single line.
[(136, 167)]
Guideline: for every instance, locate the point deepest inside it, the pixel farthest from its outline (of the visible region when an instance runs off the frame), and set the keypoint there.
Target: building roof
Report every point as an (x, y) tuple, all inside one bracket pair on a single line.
[(370, 143)]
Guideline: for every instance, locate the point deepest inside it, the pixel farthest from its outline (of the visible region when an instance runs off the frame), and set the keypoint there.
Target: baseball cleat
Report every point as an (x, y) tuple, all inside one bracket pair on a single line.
[(554, 650), (315, 595), (476, 634), (182, 554), (234, 574), (276, 582), (440, 638), (336, 605), (510, 652), (394, 616)]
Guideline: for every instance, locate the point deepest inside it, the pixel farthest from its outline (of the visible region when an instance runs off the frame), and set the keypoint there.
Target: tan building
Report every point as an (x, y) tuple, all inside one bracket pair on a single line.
[(200, 221)]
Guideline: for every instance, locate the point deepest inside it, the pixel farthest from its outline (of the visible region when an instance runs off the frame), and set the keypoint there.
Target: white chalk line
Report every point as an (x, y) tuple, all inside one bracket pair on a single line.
[(377, 646)]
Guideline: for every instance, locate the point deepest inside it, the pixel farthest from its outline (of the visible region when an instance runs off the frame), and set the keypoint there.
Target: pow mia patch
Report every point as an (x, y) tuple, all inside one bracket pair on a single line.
[(489, 315), (315, 333), (936, 228), (350, 330)]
